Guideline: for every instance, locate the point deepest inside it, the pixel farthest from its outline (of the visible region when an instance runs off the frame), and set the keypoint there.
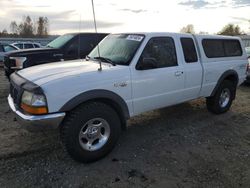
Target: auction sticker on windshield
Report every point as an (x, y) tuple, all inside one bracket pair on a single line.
[(135, 37)]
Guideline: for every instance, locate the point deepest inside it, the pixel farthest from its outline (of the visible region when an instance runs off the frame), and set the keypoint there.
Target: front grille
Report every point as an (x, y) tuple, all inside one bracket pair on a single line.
[(8, 63), (15, 91)]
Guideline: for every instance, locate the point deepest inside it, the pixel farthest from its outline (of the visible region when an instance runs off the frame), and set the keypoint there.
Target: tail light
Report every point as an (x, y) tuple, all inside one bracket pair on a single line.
[(248, 67)]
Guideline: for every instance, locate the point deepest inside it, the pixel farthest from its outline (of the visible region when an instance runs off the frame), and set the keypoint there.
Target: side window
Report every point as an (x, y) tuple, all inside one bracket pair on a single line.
[(159, 52), (36, 45), (1, 48), (28, 46), (72, 49), (232, 48), (221, 48), (88, 43), (189, 50), (20, 46), (213, 48)]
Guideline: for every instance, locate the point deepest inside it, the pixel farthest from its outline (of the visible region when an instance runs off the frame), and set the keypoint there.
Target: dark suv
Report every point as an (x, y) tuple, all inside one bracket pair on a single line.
[(66, 47)]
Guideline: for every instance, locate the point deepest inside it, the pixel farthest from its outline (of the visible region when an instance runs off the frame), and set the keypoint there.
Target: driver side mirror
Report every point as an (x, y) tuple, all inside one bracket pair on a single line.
[(146, 63)]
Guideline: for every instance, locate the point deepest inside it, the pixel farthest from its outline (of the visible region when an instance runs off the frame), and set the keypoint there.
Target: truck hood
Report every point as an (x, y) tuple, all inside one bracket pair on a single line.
[(45, 73), (31, 51)]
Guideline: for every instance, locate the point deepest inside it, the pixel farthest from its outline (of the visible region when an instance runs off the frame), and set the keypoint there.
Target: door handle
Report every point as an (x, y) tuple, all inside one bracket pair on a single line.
[(178, 73)]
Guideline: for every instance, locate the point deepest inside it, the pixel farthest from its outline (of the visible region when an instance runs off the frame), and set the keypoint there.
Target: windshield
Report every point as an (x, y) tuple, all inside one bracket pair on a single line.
[(119, 48), (60, 41)]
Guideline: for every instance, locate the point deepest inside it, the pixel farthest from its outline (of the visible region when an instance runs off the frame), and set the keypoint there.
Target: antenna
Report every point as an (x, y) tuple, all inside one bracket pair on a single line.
[(79, 38), (98, 50)]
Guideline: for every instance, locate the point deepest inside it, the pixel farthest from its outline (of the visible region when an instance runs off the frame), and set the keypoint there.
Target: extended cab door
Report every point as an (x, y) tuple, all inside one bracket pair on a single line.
[(192, 67), (158, 78)]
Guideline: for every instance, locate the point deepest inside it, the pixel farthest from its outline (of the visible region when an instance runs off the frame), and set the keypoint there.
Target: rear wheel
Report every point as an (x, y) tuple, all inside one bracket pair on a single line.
[(90, 131), (223, 98)]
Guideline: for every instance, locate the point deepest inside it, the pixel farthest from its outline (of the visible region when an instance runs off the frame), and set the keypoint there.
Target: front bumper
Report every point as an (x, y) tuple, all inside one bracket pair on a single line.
[(36, 122)]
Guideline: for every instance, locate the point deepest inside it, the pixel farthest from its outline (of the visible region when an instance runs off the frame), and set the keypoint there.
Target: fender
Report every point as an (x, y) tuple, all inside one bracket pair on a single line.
[(97, 94), (222, 78)]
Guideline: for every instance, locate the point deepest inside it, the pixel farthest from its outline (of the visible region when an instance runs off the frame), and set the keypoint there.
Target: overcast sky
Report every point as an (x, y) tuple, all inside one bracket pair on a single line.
[(130, 15)]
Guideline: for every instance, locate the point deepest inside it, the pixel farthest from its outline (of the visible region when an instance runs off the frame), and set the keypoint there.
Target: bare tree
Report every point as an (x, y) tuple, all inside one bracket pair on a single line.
[(42, 28), (14, 27), (188, 29), (4, 33), (26, 28)]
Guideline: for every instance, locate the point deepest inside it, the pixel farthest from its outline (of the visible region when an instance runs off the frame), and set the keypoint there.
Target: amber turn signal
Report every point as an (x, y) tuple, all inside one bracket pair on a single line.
[(34, 110)]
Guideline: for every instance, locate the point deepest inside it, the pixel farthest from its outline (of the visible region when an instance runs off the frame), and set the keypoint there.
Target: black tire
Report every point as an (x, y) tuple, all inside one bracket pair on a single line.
[(76, 120), (213, 103)]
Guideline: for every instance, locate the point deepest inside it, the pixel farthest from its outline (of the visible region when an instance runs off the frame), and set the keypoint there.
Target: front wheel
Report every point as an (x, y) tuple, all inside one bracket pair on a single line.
[(90, 131), (223, 98)]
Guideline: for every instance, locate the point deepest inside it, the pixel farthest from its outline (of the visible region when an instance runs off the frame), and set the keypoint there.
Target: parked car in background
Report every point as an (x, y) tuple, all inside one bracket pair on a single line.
[(248, 68), (66, 47), (27, 45), (4, 48)]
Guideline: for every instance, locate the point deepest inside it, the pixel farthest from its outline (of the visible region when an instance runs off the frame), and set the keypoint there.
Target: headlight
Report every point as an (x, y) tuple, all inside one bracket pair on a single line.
[(34, 103), (18, 62)]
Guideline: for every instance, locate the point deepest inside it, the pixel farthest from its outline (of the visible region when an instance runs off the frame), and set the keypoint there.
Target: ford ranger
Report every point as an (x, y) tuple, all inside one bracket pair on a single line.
[(125, 75)]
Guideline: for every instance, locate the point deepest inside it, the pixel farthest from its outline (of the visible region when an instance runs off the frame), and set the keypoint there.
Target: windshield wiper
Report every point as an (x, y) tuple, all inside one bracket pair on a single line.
[(106, 60)]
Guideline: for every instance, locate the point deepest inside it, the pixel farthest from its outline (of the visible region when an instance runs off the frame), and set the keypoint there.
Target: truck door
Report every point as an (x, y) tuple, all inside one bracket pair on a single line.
[(158, 78), (192, 67)]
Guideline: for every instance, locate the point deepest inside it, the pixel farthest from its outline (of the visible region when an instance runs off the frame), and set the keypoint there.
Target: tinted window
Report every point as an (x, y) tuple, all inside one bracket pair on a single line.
[(189, 50), (87, 43), (221, 48), (90, 41), (1, 48), (213, 48), (160, 50), (72, 49), (28, 46), (232, 48), (20, 46), (36, 45)]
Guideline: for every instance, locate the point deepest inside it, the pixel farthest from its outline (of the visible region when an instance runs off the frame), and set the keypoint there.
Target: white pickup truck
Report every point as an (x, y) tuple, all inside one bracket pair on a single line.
[(125, 75)]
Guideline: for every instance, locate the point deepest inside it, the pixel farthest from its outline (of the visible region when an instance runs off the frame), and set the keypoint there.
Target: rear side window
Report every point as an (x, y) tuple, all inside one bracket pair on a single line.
[(189, 50), (221, 48), (36, 45), (232, 48), (20, 46), (28, 46)]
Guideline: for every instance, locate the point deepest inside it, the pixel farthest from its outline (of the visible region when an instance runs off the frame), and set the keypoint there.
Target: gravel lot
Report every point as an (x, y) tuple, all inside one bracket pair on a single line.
[(180, 146)]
